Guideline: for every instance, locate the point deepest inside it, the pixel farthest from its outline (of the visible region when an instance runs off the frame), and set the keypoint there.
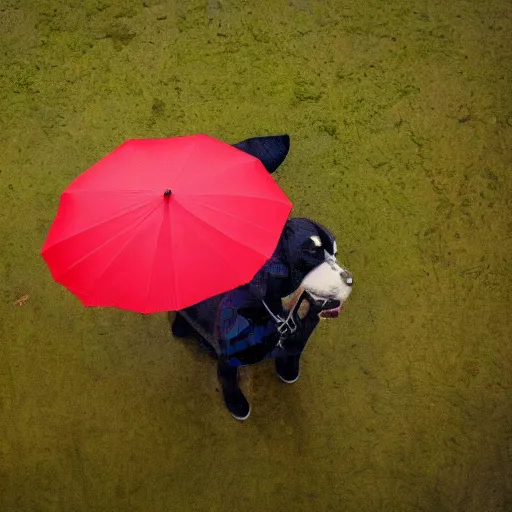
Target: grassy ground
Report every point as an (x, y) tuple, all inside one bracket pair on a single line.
[(400, 117)]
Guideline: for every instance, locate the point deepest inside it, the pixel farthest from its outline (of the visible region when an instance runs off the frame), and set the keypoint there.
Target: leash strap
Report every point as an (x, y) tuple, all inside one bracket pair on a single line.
[(287, 326)]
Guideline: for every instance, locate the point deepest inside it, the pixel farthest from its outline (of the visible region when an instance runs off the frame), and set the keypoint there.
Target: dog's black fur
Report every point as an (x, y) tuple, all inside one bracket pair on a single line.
[(303, 246)]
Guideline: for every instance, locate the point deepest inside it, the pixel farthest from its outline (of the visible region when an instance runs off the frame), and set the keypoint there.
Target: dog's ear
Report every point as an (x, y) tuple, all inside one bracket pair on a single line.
[(271, 150), (327, 239)]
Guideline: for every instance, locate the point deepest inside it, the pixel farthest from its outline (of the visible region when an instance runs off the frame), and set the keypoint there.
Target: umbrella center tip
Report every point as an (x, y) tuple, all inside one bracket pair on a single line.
[(167, 193)]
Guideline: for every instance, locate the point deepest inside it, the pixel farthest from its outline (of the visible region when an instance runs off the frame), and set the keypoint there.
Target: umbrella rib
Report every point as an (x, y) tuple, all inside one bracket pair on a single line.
[(104, 221), (234, 216), (216, 251), (218, 171), (230, 166), (131, 227), (193, 145), (172, 260), (218, 230), (237, 194), (76, 190), (123, 247), (152, 268)]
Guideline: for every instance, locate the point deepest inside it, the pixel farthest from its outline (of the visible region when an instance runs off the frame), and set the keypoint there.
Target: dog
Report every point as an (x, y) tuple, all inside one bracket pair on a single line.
[(274, 315)]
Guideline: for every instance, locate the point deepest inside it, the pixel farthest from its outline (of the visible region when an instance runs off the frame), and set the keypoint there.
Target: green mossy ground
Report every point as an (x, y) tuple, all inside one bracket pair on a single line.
[(400, 118)]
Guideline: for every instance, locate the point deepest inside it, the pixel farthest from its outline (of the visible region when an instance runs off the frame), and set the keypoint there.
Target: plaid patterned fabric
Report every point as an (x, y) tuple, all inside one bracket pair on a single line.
[(237, 325), (236, 322)]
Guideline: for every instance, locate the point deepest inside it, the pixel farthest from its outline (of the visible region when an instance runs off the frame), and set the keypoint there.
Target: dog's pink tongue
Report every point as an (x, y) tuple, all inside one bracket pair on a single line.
[(332, 313)]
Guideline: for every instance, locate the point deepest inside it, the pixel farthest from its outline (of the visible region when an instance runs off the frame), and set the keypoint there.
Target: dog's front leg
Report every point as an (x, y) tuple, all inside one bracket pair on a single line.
[(234, 399), (287, 359)]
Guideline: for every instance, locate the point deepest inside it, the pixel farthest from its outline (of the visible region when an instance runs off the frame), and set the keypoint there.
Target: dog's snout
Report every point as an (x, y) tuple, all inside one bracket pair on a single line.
[(347, 277)]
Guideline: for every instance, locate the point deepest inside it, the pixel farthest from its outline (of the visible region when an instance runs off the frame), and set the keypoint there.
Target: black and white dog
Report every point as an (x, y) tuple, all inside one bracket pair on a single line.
[(274, 315)]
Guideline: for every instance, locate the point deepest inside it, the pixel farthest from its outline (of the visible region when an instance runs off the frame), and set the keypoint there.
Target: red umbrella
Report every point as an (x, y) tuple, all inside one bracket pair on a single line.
[(161, 224)]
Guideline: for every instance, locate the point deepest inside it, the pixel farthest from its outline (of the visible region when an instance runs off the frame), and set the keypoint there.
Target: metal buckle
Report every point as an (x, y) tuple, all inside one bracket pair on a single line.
[(287, 325)]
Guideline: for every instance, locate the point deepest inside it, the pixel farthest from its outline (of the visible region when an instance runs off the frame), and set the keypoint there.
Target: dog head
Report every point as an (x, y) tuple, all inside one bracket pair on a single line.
[(310, 251)]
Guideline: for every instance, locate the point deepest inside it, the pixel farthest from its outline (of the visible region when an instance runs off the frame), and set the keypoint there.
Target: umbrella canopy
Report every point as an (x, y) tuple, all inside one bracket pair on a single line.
[(161, 224)]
